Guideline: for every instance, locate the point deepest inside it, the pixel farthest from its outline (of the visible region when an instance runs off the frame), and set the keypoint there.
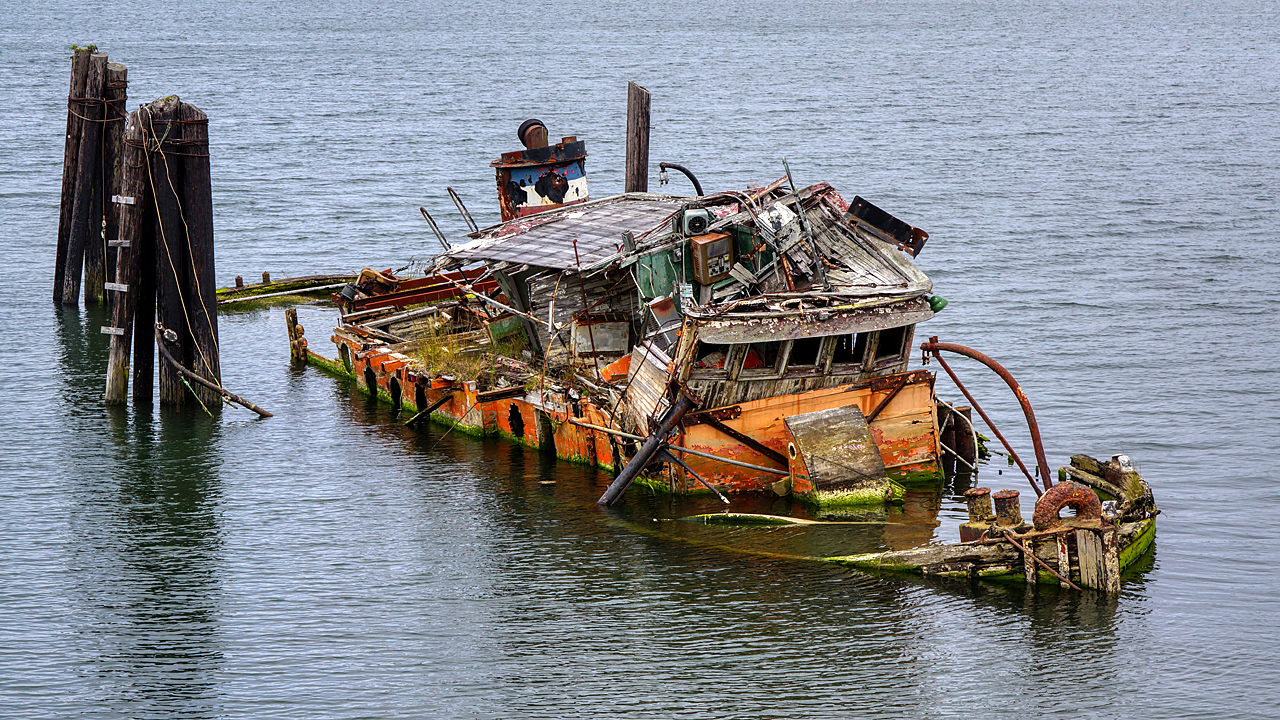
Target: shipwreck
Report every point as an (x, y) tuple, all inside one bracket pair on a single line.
[(743, 341)]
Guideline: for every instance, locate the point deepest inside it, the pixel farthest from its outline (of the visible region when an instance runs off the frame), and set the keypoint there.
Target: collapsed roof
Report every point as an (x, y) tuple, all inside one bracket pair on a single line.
[(831, 256)]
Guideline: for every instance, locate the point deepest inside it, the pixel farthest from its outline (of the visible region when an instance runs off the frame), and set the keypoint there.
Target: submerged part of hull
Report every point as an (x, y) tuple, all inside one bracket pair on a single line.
[(1091, 549)]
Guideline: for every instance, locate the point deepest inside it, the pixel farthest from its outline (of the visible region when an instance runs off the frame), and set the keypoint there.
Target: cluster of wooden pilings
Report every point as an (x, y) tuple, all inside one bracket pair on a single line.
[(137, 193), (90, 174)]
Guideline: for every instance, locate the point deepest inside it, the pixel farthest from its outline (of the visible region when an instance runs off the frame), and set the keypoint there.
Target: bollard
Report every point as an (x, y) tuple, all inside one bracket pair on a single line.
[(1008, 509), (239, 281), (266, 278), (979, 500)]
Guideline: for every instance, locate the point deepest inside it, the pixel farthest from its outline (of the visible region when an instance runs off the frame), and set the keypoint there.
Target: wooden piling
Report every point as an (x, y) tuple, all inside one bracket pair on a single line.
[(71, 153), (172, 261), (637, 174), (130, 214), (200, 295), (144, 259), (947, 437), (965, 447), (115, 101), (297, 346), (83, 226)]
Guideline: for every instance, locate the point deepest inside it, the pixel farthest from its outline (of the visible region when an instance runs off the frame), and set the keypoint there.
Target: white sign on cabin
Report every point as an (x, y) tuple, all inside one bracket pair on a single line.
[(601, 335)]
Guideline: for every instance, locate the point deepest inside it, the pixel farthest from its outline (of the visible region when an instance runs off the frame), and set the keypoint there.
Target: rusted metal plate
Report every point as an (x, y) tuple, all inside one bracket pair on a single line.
[(839, 451)]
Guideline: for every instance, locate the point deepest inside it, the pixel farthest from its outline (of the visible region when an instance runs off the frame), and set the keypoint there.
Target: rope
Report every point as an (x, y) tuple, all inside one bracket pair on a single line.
[(105, 103)]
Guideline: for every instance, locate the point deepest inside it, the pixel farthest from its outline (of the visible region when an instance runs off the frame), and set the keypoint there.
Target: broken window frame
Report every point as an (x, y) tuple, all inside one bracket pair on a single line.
[(721, 373), (738, 359), (825, 345), (875, 362), (833, 368)]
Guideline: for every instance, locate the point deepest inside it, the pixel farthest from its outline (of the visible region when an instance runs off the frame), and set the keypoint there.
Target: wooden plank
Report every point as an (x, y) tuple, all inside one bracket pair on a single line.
[(1029, 568), (1089, 550), (1064, 557), (1111, 561)]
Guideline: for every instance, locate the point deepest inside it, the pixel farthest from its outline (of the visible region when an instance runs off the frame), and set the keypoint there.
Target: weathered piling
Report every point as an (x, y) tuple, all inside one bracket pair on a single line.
[(966, 447), (71, 152), (200, 293), (115, 101), (130, 203), (83, 225), (171, 258), (144, 258), (637, 173)]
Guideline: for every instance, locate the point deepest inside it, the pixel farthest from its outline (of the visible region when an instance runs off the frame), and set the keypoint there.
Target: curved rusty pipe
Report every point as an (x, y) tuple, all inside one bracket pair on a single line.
[(935, 347)]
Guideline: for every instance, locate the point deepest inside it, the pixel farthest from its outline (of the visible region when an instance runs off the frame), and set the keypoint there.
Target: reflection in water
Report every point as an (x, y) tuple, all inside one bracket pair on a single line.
[(145, 539)]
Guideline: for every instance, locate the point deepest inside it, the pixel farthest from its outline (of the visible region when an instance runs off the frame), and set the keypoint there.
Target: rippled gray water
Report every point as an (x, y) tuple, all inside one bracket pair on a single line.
[(1100, 181)]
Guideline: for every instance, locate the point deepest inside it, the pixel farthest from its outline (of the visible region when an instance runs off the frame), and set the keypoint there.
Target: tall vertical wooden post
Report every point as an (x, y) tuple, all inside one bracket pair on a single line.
[(114, 98), (172, 261), (79, 75), (95, 256), (637, 179), (82, 223), (130, 214), (200, 298), (144, 257)]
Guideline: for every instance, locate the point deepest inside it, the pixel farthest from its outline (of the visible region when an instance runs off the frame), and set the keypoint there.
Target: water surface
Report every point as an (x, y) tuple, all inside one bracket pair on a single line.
[(1099, 180)]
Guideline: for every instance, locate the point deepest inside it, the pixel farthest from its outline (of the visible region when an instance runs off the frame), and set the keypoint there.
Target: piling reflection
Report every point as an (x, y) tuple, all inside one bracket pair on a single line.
[(145, 539)]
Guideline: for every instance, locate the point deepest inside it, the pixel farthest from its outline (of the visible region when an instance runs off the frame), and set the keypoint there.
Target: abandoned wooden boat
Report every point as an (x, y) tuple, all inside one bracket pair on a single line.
[(753, 340)]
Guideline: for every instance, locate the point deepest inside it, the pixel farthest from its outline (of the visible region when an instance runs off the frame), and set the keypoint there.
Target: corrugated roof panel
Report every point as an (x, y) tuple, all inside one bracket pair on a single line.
[(548, 242)]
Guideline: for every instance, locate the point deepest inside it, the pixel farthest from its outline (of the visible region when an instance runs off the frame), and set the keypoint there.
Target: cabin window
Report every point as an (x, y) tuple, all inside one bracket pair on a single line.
[(850, 349), (711, 361), (762, 359), (892, 343), (711, 356), (805, 352)]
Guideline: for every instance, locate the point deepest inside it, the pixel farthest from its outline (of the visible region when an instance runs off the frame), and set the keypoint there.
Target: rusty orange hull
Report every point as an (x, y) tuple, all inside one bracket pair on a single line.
[(510, 412), (905, 431), (904, 428)]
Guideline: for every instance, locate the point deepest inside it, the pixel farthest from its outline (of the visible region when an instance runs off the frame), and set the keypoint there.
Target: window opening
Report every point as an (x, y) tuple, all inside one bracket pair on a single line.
[(891, 342), (711, 356), (761, 358), (850, 349), (805, 352)]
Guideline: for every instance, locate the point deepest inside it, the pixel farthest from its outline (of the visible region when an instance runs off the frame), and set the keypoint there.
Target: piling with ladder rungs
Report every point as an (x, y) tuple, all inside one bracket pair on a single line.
[(165, 261)]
